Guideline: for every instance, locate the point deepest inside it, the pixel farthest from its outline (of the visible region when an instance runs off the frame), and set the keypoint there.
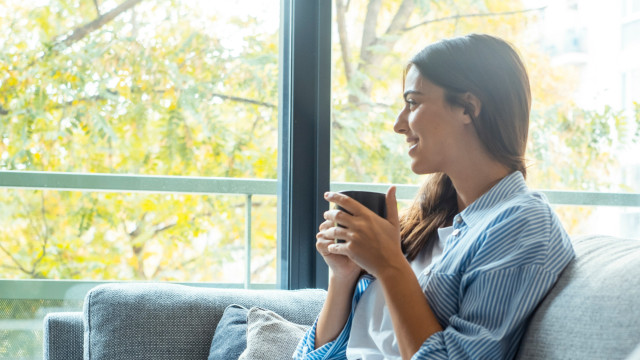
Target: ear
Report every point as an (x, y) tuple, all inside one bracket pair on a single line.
[(473, 106)]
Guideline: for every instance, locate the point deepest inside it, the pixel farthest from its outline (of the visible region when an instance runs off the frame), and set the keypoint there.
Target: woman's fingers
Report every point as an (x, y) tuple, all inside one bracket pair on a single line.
[(345, 202), (335, 233), (322, 245), (327, 224), (392, 207), (338, 249), (336, 216)]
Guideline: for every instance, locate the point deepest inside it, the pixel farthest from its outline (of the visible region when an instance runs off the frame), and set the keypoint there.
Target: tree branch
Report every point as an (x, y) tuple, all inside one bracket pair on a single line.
[(243, 100), (370, 59), (15, 261), (115, 93), (84, 30), (95, 2), (460, 16), (401, 17), (369, 28), (45, 239), (341, 10)]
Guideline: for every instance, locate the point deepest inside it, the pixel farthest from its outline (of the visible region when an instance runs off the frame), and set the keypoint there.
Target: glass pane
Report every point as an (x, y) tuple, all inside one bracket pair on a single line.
[(630, 37), (135, 236), (56, 235), (583, 130), (610, 220), (165, 88), (21, 334), (170, 87)]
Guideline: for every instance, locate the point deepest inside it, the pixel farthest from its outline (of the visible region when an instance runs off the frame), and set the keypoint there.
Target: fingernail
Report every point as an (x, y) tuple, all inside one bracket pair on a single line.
[(326, 195)]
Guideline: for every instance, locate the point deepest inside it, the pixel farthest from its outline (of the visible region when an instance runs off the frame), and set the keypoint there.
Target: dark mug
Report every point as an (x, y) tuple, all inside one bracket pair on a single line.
[(373, 201)]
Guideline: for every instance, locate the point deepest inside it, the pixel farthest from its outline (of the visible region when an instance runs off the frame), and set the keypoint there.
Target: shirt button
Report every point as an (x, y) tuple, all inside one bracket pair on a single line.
[(458, 219), (455, 232)]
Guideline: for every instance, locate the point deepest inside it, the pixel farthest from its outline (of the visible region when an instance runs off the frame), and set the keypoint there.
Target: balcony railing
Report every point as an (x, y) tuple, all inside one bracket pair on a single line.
[(57, 289), (67, 295)]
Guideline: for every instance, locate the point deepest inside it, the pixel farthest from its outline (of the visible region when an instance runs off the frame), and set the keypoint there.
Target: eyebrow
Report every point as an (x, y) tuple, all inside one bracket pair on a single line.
[(411, 92)]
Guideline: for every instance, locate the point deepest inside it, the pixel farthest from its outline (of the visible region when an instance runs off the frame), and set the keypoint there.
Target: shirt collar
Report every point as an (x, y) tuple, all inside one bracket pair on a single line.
[(510, 185)]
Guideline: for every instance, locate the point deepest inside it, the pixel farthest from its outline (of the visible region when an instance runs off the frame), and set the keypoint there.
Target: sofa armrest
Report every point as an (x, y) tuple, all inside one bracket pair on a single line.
[(63, 336), (169, 321)]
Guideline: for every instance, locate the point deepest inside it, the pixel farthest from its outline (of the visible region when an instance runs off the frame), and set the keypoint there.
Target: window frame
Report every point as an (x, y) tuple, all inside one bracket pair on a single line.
[(304, 132)]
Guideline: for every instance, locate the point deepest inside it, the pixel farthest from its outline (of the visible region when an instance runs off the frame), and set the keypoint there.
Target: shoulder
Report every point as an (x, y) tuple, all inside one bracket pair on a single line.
[(523, 230), (526, 210)]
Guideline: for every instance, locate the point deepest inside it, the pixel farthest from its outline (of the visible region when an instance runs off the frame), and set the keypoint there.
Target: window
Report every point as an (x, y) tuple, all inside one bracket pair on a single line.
[(144, 147), (580, 135)]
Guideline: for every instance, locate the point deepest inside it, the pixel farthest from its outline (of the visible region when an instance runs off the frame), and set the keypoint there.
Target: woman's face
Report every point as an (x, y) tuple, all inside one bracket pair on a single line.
[(433, 128)]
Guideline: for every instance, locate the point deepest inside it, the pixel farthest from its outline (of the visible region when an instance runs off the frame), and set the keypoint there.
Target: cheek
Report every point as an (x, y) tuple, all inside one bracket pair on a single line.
[(421, 127), (416, 123)]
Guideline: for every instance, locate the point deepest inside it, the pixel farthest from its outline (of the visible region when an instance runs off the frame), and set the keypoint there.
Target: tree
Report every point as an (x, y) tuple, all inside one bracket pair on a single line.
[(121, 92), (377, 38)]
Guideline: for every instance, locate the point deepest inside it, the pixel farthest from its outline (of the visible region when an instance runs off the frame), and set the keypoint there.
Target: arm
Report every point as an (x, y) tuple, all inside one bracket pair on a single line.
[(412, 318), (374, 244), (486, 306), (492, 316), (335, 311), (337, 347), (328, 337)]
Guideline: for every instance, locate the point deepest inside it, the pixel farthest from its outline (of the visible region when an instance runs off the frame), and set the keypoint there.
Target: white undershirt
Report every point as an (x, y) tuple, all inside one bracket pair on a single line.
[(372, 336)]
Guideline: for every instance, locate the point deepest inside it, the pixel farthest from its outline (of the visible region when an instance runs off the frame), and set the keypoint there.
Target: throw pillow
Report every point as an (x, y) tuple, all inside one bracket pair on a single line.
[(269, 336), (230, 338)]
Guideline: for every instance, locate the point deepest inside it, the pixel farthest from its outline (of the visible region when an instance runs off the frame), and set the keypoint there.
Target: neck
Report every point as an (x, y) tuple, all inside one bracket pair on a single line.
[(475, 181)]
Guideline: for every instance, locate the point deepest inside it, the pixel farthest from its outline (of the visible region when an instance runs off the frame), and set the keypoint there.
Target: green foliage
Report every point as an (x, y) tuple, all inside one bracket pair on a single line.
[(176, 88), (156, 91)]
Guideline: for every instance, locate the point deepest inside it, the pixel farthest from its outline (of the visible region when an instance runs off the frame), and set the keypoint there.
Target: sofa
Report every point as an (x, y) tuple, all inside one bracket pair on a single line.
[(593, 312)]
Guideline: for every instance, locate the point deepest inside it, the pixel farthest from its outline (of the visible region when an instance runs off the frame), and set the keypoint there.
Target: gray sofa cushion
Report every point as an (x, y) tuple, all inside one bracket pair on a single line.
[(592, 312), (63, 336), (168, 321)]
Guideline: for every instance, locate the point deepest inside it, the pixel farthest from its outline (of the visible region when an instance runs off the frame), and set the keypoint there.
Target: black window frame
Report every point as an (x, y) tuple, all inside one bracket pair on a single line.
[(304, 138)]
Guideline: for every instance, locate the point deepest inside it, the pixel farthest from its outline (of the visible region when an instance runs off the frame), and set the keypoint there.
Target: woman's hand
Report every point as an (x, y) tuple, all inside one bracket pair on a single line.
[(341, 266), (371, 242)]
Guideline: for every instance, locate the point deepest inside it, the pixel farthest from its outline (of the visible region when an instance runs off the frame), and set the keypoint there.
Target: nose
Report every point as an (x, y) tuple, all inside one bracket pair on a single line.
[(401, 124)]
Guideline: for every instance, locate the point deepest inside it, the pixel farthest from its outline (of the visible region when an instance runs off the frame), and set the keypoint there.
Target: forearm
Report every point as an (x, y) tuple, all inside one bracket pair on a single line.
[(335, 311), (412, 318)]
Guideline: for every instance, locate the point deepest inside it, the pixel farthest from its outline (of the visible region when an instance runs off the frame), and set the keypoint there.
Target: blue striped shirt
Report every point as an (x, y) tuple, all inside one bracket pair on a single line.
[(506, 252)]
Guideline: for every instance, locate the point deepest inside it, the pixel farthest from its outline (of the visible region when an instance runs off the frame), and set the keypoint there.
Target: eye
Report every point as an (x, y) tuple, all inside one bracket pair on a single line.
[(411, 103)]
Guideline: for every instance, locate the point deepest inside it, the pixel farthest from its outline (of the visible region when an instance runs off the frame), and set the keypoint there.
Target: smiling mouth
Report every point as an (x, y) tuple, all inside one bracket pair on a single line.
[(412, 146)]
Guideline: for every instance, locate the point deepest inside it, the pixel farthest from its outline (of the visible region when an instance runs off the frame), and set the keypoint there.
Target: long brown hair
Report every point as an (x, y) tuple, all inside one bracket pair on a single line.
[(490, 69)]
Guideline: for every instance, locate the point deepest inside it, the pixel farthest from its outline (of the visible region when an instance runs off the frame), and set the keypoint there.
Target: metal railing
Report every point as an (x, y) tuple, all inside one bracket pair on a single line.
[(68, 289)]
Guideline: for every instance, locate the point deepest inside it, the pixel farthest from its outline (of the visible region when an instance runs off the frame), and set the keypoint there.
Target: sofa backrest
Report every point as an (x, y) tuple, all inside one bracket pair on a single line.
[(168, 321), (593, 312)]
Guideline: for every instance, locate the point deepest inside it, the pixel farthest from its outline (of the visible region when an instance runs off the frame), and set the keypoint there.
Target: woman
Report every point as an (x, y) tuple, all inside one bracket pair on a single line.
[(460, 273)]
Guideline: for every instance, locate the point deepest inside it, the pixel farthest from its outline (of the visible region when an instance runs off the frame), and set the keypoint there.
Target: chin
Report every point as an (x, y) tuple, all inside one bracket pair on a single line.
[(419, 170), (422, 169)]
